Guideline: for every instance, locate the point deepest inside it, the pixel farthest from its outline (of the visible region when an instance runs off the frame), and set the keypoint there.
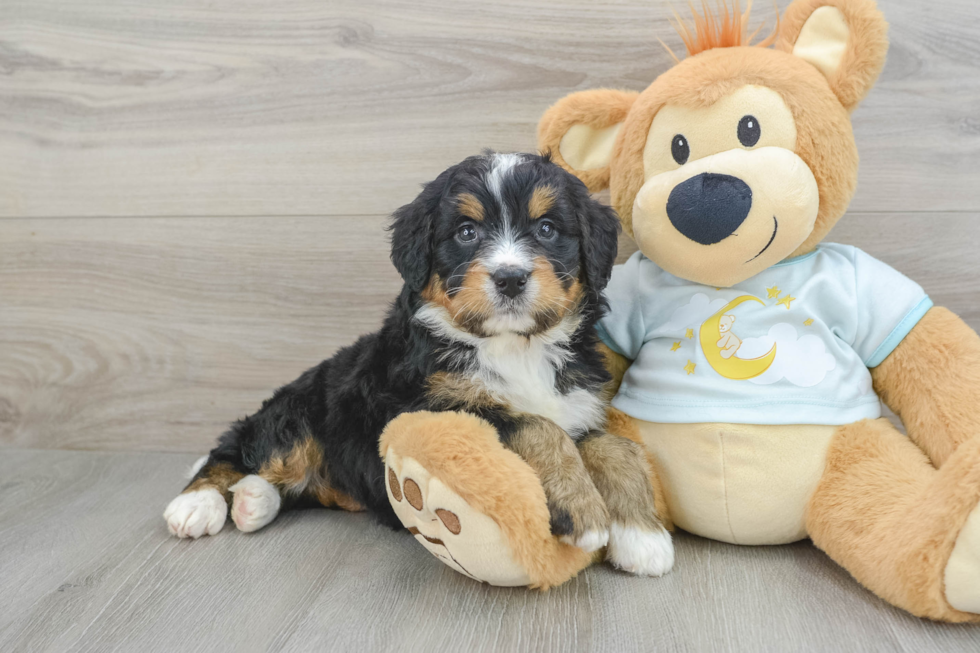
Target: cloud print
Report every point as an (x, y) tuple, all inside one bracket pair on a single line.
[(691, 315), (804, 362)]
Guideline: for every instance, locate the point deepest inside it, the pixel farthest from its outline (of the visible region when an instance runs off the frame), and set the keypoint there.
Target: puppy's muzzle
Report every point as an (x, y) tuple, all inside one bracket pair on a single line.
[(708, 208)]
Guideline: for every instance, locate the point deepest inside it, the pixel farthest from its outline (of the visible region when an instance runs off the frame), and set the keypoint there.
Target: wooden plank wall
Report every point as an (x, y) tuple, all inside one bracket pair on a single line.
[(193, 195)]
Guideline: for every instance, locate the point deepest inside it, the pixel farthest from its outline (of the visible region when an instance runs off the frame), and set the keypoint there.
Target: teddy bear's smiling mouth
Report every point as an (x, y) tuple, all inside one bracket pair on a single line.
[(434, 540), (775, 228)]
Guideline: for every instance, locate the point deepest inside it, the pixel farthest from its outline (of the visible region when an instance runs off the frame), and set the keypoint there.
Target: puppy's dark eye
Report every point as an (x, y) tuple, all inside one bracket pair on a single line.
[(547, 230), (749, 131), (680, 149), (467, 233)]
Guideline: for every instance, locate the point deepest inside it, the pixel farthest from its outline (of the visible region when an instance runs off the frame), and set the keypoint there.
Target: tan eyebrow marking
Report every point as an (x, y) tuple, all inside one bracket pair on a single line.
[(542, 199), (469, 206)]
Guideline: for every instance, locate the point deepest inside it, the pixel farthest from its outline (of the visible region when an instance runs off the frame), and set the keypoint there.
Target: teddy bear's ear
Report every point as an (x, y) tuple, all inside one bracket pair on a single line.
[(580, 130), (846, 40)]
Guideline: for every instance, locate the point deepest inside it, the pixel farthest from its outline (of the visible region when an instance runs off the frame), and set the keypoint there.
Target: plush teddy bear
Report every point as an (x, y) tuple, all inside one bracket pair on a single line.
[(728, 171)]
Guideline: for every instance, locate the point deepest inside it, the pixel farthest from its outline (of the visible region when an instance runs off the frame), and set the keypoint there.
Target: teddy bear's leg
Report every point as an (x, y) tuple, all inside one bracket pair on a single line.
[(472, 503), (904, 529)]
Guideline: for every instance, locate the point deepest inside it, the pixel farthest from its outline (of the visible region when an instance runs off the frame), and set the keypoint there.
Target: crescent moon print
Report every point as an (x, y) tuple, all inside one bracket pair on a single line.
[(738, 369)]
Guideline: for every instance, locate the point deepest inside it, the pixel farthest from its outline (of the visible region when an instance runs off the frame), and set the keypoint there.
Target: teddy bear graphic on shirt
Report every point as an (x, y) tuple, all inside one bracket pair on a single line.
[(729, 342)]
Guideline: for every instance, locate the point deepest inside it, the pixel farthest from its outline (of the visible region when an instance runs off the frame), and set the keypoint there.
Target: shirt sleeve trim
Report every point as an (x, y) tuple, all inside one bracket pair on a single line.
[(898, 333), (604, 337)]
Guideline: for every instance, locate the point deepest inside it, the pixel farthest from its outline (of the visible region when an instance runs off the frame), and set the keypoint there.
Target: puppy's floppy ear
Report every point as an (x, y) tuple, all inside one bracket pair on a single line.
[(580, 130), (600, 241), (846, 40), (412, 233)]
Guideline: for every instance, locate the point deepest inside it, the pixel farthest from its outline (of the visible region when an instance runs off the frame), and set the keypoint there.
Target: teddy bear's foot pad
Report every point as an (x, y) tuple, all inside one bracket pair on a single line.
[(463, 538), (963, 567)]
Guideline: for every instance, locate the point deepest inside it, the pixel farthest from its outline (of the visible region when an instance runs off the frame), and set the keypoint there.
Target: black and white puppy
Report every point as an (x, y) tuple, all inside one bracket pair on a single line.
[(504, 258)]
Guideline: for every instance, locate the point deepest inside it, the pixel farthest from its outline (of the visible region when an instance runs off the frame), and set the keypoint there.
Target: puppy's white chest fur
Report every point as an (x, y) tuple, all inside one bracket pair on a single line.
[(522, 372)]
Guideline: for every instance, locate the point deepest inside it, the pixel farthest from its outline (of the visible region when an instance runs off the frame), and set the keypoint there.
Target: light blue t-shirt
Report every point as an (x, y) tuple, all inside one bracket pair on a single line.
[(791, 345)]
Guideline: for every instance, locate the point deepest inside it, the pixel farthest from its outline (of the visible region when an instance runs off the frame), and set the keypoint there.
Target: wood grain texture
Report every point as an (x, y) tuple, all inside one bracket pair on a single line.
[(144, 107), (162, 331), (154, 333), (89, 566)]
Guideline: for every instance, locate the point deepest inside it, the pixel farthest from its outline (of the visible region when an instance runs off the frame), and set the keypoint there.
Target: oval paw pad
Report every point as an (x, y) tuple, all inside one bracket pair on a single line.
[(413, 493), (464, 539)]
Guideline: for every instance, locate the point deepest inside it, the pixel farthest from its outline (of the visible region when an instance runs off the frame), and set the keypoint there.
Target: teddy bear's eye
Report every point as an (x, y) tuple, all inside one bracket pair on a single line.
[(749, 131), (680, 149)]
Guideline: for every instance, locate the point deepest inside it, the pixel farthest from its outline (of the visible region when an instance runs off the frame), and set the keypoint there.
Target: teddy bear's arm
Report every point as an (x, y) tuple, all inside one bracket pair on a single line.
[(932, 382)]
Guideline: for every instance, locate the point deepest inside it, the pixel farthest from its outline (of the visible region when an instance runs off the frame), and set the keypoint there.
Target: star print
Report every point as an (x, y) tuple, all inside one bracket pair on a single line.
[(689, 334), (689, 368), (785, 301), (675, 346), (808, 322), (773, 292)]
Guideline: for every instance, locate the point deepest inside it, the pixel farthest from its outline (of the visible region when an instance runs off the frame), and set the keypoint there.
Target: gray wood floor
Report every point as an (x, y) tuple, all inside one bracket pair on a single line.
[(88, 565), (192, 208)]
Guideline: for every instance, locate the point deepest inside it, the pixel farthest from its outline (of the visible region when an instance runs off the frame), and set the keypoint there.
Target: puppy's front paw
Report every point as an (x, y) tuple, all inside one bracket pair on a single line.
[(640, 551), (581, 521), (197, 513)]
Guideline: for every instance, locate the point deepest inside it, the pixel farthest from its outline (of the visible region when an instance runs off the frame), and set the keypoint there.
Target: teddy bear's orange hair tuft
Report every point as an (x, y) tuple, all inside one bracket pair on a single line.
[(724, 28)]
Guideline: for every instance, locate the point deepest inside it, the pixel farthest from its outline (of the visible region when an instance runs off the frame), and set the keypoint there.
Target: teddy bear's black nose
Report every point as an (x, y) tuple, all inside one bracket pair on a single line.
[(709, 208)]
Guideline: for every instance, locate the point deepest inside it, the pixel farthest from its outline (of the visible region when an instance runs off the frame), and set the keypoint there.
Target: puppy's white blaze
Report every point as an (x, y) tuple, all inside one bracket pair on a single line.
[(589, 542), (507, 253), (639, 551), (256, 503), (500, 168), (196, 467), (197, 513)]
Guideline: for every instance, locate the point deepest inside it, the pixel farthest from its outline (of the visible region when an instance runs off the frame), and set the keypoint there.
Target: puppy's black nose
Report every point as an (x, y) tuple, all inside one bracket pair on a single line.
[(709, 208), (510, 281)]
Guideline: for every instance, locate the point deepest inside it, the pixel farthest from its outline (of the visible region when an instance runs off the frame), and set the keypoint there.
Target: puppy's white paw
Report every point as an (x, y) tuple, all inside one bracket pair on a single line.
[(589, 541), (197, 513), (641, 552), (256, 503)]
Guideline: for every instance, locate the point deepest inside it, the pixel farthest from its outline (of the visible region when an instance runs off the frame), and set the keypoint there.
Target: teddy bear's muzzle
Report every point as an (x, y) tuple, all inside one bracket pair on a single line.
[(752, 208)]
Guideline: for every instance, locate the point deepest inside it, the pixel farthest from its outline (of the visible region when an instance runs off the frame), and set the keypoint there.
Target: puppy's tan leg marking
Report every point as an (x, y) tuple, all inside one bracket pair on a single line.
[(304, 471), (220, 476), (638, 541), (578, 513), (332, 498), (296, 470)]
